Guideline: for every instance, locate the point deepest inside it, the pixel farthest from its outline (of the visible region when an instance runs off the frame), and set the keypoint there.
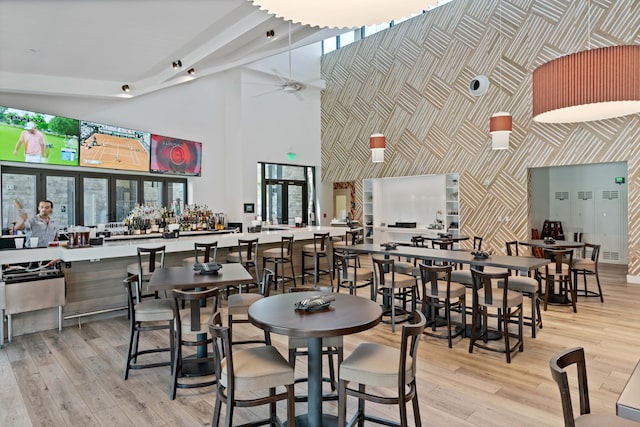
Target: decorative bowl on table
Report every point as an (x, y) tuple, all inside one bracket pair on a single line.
[(389, 245), (315, 303), (207, 268), (445, 235), (481, 254), (549, 240)]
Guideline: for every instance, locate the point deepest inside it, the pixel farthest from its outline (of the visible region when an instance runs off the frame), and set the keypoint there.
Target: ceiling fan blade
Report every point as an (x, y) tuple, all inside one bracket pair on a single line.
[(267, 92), (298, 96)]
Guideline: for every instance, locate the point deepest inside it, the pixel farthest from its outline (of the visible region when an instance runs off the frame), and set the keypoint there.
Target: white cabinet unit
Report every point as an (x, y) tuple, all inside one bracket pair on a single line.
[(452, 219), (428, 202)]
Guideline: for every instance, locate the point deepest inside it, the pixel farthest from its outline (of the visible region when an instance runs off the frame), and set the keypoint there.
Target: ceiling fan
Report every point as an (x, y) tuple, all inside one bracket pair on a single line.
[(288, 84)]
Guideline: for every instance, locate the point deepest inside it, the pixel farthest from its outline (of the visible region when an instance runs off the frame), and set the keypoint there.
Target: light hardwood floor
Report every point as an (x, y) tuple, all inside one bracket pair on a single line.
[(74, 378)]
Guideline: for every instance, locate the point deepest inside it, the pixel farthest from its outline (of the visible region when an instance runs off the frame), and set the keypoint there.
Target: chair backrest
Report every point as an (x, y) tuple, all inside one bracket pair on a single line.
[(594, 249), (351, 237), (132, 289), (382, 268), (512, 248), (444, 244), (250, 249), (320, 242), (221, 336), (206, 247), (557, 364), (195, 298), (477, 243), (558, 257), (482, 280), (267, 277), (409, 344), (434, 275), (286, 245), (343, 261), (155, 255), (418, 241)]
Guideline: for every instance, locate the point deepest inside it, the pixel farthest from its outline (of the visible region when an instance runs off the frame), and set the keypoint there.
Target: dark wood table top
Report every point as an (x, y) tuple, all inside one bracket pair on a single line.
[(186, 278), (519, 263), (558, 244), (348, 314)]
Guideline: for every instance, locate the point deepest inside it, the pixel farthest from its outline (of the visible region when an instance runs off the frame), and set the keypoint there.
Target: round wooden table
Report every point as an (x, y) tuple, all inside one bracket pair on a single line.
[(348, 314)]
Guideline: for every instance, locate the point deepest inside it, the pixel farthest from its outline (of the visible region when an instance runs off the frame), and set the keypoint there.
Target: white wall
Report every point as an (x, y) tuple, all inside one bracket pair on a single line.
[(236, 128)]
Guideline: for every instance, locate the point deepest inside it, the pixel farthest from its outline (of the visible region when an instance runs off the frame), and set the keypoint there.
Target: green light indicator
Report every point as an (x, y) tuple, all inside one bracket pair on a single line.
[(291, 156)]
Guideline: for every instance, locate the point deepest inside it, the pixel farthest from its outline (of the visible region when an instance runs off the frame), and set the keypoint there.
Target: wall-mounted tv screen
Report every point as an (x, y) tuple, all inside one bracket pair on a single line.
[(175, 156), (113, 147), (26, 136)]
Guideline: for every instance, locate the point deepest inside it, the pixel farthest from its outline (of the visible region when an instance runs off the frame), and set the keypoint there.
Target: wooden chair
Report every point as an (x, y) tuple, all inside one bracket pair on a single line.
[(410, 265), (317, 250), (192, 322), (439, 293), (558, 273), (507, 304), (144, 270), (527, 286), (378, 365), (394, 286), (587, 266), (247, 371), (202, 252), (558, 365), (331, 346), (145, 316), (279, 257), (238, 308), (246, 253), (350, 275)]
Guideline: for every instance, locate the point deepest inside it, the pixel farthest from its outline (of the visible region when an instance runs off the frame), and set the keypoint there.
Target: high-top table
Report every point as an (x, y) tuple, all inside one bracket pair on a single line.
[(169, 278), (522, 264), (348, 314)]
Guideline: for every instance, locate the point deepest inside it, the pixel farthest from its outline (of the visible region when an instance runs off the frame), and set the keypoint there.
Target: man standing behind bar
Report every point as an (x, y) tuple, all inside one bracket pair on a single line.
[(35, 149), (41, 226)]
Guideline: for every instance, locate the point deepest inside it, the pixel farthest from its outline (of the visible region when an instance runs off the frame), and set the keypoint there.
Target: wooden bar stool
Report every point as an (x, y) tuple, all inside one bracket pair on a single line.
[(144, 270), (279, 257), (317, 250)]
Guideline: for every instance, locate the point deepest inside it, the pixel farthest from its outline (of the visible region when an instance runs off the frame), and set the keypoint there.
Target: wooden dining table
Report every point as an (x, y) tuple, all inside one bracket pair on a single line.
[(521, 264), (184, 277), (347, 314), (557, 244)]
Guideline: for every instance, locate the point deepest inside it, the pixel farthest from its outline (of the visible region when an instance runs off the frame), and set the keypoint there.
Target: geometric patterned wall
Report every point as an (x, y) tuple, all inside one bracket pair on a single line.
[(410, 83)]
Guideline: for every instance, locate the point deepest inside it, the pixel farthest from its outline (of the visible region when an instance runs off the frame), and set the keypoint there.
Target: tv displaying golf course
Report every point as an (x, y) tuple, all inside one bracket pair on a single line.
[(31, 137)]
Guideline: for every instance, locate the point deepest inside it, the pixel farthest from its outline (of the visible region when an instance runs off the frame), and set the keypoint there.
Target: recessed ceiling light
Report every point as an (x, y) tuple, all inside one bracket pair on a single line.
[(191, 71), (126, 88), (177, 64)]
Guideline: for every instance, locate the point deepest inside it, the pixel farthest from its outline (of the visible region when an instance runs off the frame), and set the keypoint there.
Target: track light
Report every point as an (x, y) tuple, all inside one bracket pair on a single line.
[(271, 34), (177, 64), (191, 71), (126, 88)]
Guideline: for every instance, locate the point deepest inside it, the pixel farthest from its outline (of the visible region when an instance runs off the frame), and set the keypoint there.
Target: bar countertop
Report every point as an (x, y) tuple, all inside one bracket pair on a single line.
[(124, 248)]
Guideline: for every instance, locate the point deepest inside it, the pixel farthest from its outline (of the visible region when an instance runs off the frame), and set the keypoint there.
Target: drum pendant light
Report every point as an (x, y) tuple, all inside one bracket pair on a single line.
[(500, 124), (377, 143)]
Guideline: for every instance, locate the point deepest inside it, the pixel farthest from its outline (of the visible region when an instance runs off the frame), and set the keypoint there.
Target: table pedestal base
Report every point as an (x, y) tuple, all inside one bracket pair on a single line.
[(327, 421)]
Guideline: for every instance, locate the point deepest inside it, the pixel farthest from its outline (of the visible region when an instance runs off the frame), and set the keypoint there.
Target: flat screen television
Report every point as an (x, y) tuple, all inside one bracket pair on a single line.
[(175, 156), (113, 147), (27, 136)]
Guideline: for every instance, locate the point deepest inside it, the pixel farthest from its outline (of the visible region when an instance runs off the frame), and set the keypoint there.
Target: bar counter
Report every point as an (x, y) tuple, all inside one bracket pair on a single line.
[(94, 274)]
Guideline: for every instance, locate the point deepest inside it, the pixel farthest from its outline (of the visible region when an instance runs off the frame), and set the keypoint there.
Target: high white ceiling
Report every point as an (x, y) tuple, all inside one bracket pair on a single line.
[(92, 47)]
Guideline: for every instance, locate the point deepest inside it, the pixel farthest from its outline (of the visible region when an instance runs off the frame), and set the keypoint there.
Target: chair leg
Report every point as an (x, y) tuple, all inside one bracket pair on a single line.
[(361, 388), (215, 422), (599, 288), (533, 316), (127, 362), (504, 319), (342, 403), (416, 407), (291, 405)]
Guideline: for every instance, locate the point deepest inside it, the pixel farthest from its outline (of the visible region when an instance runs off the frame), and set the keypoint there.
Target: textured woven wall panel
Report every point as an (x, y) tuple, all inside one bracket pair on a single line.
[(411, 83)]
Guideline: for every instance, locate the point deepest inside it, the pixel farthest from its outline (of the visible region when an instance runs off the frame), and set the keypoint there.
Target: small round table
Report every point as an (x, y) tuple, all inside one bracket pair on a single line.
[(348, 314)]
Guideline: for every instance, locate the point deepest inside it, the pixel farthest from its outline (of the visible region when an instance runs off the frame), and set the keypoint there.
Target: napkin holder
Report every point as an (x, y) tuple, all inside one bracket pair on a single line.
[(207, 267)]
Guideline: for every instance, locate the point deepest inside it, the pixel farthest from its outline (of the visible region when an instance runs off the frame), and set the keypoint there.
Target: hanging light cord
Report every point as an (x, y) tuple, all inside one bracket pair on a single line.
[(501, 53)]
